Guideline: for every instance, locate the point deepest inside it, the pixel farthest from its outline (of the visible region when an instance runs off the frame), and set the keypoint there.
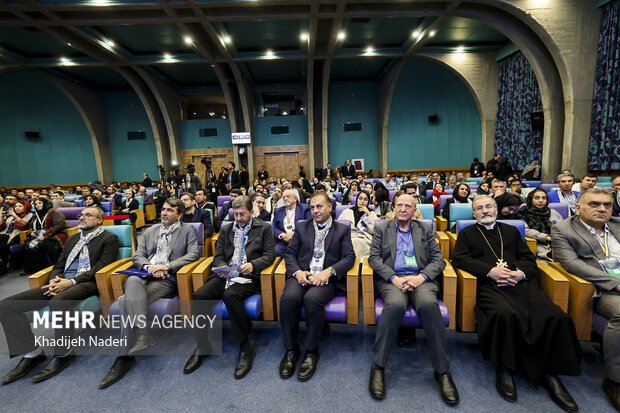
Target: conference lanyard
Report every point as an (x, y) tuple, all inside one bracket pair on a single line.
[(604, 246), (571, 199)]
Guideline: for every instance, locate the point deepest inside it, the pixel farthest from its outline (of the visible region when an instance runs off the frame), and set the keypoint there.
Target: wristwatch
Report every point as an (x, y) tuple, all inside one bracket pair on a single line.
[(332, 272)]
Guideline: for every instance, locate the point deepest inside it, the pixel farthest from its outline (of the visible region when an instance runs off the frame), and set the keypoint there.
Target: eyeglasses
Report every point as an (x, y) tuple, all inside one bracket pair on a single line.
[(594, 204), (86, 215)]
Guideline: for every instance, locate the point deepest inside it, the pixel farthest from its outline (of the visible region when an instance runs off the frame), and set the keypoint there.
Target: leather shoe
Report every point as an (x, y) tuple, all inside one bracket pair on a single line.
[(308, 366), (288, 363), (244, 363), (376, 384), (55, 366), (143, 342), (612, 390), (194, 361), (23, 367), (118, 370), (505, 385), (559, 394), (449, 393)]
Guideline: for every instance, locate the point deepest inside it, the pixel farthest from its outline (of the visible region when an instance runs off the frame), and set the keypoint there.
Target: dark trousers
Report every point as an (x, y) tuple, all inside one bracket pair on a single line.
[(16, 325), (313, 299), (234, 298), (424, 300)]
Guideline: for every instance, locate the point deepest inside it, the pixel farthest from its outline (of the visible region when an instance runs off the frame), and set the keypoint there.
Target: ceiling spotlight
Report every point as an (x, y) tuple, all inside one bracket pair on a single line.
[(304, 37), (285, 113), (226, 39), (168, 57), (68, 44), (432, 33), (415, 34), (212, 114), (269, 54), (369, 50), (194, 113), (110, 43), (174, 163), (188, 40), (460, 49), (100, 2), (341, 35)]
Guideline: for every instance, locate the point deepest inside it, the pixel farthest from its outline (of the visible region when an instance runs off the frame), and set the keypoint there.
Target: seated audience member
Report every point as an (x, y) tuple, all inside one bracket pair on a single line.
[(13, 220), (516, 187), (164, 249), (587, 182), (275, 200), (224, 212), (60, 202), (158, 198), (615, 185), (391, 215), (130, 203), (508, 206), (503, 169), (202, 201), (97, 193), (452, 182), (498, 188), (258, 207), (368, 188), (248, 242), (459, 196), (407, 263), (435, 199), (21, 195), (333, 185), (390, 184), (71, 279), (147, 197), (285, 219), (520, 330), (85, 192), (565, 193), (351, 190), (580, 243), (92, 201), (382, 200), (483, 189), (302, 194), (362, 224), (411, 189), (194, 214), (317, 261), (48, 235), (332, 199), (538, 219), (146, 181)]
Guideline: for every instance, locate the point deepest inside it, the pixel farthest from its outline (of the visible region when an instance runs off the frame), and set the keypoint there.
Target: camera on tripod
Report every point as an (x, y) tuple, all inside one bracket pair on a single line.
[(206, 160)]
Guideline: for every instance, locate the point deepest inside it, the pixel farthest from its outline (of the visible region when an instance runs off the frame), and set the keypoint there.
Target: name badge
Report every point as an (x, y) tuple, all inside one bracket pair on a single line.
[(611, 266), (288, 227), (411, 261), (213, 189)]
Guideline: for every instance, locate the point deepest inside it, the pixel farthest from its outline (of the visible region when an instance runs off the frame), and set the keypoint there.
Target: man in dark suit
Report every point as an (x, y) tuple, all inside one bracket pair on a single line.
[(225, 211), (579, 244), (194, 214), (259, 200), (615, 185), (146, 182), (165, 248), (263, 175), (407, 265), (328, 172), (285, 218), (72, 279), (332, 199), (248, 243), (348, 170), (147, 197), (244, 177), (233, 180), (317, 260)]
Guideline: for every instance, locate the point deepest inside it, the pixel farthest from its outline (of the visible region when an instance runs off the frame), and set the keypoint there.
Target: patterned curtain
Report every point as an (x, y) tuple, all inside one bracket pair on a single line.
[(518, 96), (604, 152)]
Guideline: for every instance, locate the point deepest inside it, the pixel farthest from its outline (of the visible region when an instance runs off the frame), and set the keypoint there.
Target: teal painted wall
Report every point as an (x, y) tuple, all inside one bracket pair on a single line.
[(425, 88), (130, 159), (190, 138), (298, 130), (354, 102), (63, 154)]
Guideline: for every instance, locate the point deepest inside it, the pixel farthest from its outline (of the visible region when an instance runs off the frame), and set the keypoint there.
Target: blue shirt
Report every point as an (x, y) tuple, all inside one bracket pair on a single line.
[(404, 246)]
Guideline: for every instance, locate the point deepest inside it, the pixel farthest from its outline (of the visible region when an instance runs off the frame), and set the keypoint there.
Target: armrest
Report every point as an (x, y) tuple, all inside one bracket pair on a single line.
[(71, 231), (353, 281), (580, 294), (39, 278), (449, 283), (104, 284), (118, 281), (151, 212), (451, 240), (368, 292), (441, 223), (554, 284), (140, 217), (279, 279), (207, 248), (531, 243), (184, 285), (267, 290), (444, 244), (201, 273), (466, 300), (214, 239)]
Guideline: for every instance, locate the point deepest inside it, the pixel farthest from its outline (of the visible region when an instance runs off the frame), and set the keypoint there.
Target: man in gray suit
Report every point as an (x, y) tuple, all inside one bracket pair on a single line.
[(579, 243), (165, 248), (407, 263)]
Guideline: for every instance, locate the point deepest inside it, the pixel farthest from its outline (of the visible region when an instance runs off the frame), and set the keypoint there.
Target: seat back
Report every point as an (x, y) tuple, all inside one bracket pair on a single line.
[(221, 199), (125, 239), (71, 214), (79, 202), (442, 200), (430, 222), (427, 210), (519, 224), (392, 192), (338, 196), (107, 207), (561, 208), (460, 212), (344, 221), (549, 187), (340, 208), (533, 184), (200, 234)]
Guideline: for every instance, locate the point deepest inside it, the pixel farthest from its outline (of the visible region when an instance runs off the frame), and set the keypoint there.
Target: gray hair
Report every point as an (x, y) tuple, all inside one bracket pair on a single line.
[(595, 190), (560, 176), (100, 212), (479, 197), (240, 201)]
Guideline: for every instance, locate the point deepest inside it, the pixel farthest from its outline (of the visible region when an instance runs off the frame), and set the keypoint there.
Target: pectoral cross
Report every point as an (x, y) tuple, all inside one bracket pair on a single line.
[(501, 263)]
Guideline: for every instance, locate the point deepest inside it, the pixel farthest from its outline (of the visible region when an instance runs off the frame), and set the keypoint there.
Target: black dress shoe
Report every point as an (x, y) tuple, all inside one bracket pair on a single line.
[(559, 394), (288, 363), (118, 370), (244, 363), (449, 393), (505, 385), (194, 362), (308, 366), (55, 366), (143, 342), (23, 367), (376, 384), (612, 390)]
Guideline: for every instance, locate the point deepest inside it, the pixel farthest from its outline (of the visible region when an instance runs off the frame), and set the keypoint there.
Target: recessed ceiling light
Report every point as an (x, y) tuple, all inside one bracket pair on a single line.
[(432, 33), (304, 36), (460, 49), (341, 35), (167, 57), (212, 114), (285, 113), (110, 43), (226, 39), (415, 34), (188, 40), (369, 50), (100, 2), (68, 44), (269, 54), (174, 163)]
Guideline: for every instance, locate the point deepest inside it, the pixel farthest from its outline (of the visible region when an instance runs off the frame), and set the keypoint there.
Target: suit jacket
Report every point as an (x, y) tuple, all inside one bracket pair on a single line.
[(328, 173), (224, 211), (235, 180), (264, 216), (147, 182), (263, 175), (102, 250), (259, 247), (147, 198), (338, 248), (554, 196), (578, 251), (244, 178), (183, 248), (383, 250), (348, 171), (616, 205), (302, 211), (203, 216)]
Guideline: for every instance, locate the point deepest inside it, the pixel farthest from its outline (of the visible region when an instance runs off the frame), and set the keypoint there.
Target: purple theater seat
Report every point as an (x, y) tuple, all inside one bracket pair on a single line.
[(71, 214), (253, 307), (340, 208), (599, 323), (200, 235), (221, 199), (392, 192), (410, 319), (338, 196), (442, 200), (344, 221), (561, 208), (549, 187), (335, 310), (533, 184), (161, 307)]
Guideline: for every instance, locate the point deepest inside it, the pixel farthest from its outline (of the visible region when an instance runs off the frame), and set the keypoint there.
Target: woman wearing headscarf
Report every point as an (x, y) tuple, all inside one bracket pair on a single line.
[(92, 200), (12, 222), (130, 203), (362, 224), (459, 196), (508, 206), (538, 219), (484, 189), (47, 237), (351, 190), (435, 199)]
